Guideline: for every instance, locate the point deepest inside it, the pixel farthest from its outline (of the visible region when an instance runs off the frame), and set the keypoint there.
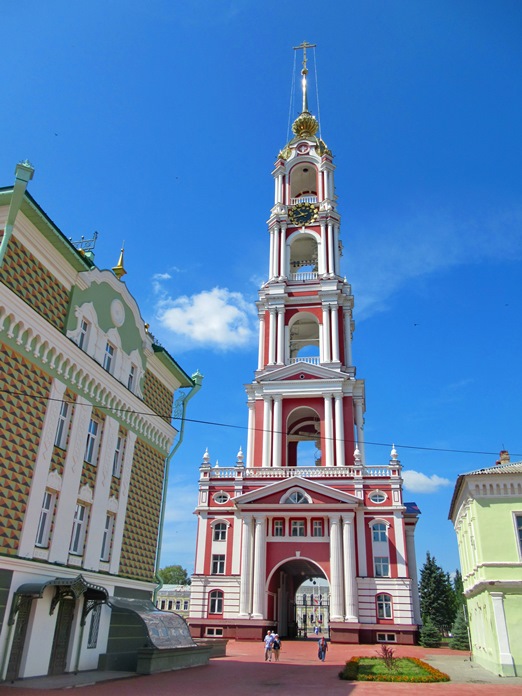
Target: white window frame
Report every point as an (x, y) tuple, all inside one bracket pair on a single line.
[(108, 532), (79, 529), (94, 628), (218, 564), (93, 440), (384, 606), (43, 532), (109, 356), (62, 428), (382, 563), (318, 528), (185, 605), (216, 601), (379, 532), (298, 528), (517, 518), (83, 334), (279, 528), (119, 453), (131, 382), (220, 531)]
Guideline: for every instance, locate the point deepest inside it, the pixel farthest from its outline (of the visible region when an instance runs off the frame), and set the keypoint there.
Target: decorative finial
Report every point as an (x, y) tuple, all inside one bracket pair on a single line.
[(357, 455), (304, 72), (240, 456), (118, 269), (206, 457), (393, 454)]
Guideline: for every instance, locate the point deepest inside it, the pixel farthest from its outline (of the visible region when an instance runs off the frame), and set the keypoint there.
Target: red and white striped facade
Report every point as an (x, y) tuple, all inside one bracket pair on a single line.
[(274, 519)]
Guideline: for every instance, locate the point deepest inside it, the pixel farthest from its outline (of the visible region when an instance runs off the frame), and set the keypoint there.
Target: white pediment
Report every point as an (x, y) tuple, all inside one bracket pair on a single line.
[(333, 495), (302, 371)]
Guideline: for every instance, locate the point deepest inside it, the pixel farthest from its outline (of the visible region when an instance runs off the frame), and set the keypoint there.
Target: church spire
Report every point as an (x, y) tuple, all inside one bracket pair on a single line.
[(305, 125), (304, 73)]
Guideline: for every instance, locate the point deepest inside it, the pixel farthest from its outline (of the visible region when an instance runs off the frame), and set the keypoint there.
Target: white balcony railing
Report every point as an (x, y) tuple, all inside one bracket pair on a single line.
[(303, 199), (305, 275), (310, 359), (306, 472)]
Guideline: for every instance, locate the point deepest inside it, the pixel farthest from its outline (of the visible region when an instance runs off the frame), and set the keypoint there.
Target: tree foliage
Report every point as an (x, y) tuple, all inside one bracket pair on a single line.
[(458, 588), (459, 632), (429, 635), (174, 575), (437, 596)]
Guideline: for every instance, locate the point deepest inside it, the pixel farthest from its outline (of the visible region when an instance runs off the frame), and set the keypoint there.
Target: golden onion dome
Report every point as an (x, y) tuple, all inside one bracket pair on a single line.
[(305, 125)]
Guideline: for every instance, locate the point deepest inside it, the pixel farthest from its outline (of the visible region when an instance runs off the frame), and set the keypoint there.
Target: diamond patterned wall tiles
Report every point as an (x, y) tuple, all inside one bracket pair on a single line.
[(29, 279), (21, 415), (157, 396), (140, 535)]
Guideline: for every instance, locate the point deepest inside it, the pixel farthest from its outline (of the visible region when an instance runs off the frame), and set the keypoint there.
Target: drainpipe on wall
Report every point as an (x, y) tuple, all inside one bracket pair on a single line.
[(197, 378), (24, 173)]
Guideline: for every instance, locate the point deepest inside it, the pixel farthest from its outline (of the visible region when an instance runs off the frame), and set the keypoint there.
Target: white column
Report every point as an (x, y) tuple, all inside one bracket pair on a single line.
[(261, 349), (400, 544), (267, 429), (504, 649), (331, 257), (322, 251), (280, 335), (348, 337), (278, 431), (245, 597), (258, 604), (284, 253), (320, 189), (336, 581), (335, 332), (271, 271), (326, 188), (361, 543), (359, 422), (271, 336), (350, 582), (250, 442), (328, 430), (337, 257), (340, 459), (412, 567), (326, 334)]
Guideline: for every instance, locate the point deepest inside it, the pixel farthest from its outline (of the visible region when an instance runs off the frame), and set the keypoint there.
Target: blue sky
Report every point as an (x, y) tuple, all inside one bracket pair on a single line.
[(158, 124)]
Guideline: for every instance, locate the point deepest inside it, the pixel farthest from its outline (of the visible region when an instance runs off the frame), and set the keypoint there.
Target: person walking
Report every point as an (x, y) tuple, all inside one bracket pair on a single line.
[(276, 647), (323, 647), (268, 640)]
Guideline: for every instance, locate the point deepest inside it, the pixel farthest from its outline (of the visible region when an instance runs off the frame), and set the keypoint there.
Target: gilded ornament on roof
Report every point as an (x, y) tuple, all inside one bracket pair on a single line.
[(305, 125)]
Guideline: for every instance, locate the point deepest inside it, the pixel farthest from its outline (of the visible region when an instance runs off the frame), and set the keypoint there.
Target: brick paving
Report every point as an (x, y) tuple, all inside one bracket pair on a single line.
[(245, 673)]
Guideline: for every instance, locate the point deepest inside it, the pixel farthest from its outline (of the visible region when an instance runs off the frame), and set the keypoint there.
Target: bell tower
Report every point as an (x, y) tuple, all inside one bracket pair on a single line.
[(304, 504)]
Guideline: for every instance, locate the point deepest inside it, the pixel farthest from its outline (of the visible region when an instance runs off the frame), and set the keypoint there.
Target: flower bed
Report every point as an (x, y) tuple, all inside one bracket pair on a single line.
[(406, 669)]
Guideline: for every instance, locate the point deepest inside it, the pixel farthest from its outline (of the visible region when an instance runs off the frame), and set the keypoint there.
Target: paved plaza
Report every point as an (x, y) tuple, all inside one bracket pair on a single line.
[(243, 672)]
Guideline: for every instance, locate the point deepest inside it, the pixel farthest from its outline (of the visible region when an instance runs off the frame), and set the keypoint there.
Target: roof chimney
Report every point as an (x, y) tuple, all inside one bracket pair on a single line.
[(504, 458)]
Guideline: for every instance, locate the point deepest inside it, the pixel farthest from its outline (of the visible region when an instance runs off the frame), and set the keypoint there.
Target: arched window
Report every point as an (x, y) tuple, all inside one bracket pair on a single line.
[(296, 498), (216, 602), (384, 606)]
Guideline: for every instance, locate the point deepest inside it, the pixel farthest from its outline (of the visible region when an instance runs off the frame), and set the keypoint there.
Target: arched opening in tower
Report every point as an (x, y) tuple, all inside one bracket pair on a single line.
[(304, 339), (303, 183), (303, 257), (303, 438), (299, 595)]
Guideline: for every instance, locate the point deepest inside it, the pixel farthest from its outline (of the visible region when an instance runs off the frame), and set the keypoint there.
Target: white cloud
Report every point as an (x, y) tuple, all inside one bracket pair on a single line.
[(416, 482), (217, 318)]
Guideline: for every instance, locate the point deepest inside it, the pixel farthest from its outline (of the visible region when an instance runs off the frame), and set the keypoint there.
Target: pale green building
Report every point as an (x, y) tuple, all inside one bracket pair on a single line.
[(486, 511)]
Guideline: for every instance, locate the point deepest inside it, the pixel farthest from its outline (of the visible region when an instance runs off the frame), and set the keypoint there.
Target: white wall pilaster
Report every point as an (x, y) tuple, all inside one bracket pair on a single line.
[(328, 430), (359, 422), (272, 336), (267, 430), (280, 335), (258, 604), (278, 431), (250, 442), (326, 335), (335, 332), (348, 359), (245, 597), (283, 270), (504, 649), (261, 350), (336, 580), (350, 583), (340, 459), (331, 256)]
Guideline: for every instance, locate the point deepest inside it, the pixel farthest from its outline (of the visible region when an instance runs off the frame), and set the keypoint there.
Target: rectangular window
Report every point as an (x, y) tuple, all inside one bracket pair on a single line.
[(218, 564), (518, 521), (379, 532), (298, 528), (178, 604), (162, 604), (108, 357), (46, 516), (279, 529), (91, 446), (92, 640), (386, 638), (185, 605), (215, 632), (83, 335), (132, 378), (220, 531), (169, 605), (216, 602), (382, 567), (78, 530), (107, 538), (318, 528), (119, 452), (60, 439)]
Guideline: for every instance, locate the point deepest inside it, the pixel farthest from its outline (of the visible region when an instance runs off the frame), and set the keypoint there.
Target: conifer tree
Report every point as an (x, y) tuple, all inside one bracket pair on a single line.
[(459, 630), (437, 597), (429, 635), (458, 588)]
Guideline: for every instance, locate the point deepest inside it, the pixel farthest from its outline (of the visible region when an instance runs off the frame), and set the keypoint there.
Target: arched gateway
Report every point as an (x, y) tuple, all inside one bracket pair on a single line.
[(281, 516)]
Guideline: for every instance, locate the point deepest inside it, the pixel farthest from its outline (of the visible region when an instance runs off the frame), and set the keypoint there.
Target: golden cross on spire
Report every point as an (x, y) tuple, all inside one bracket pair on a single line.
[(304, 71)]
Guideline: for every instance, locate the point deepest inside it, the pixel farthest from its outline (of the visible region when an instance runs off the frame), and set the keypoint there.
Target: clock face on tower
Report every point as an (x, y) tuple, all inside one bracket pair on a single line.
[(302, 213)]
